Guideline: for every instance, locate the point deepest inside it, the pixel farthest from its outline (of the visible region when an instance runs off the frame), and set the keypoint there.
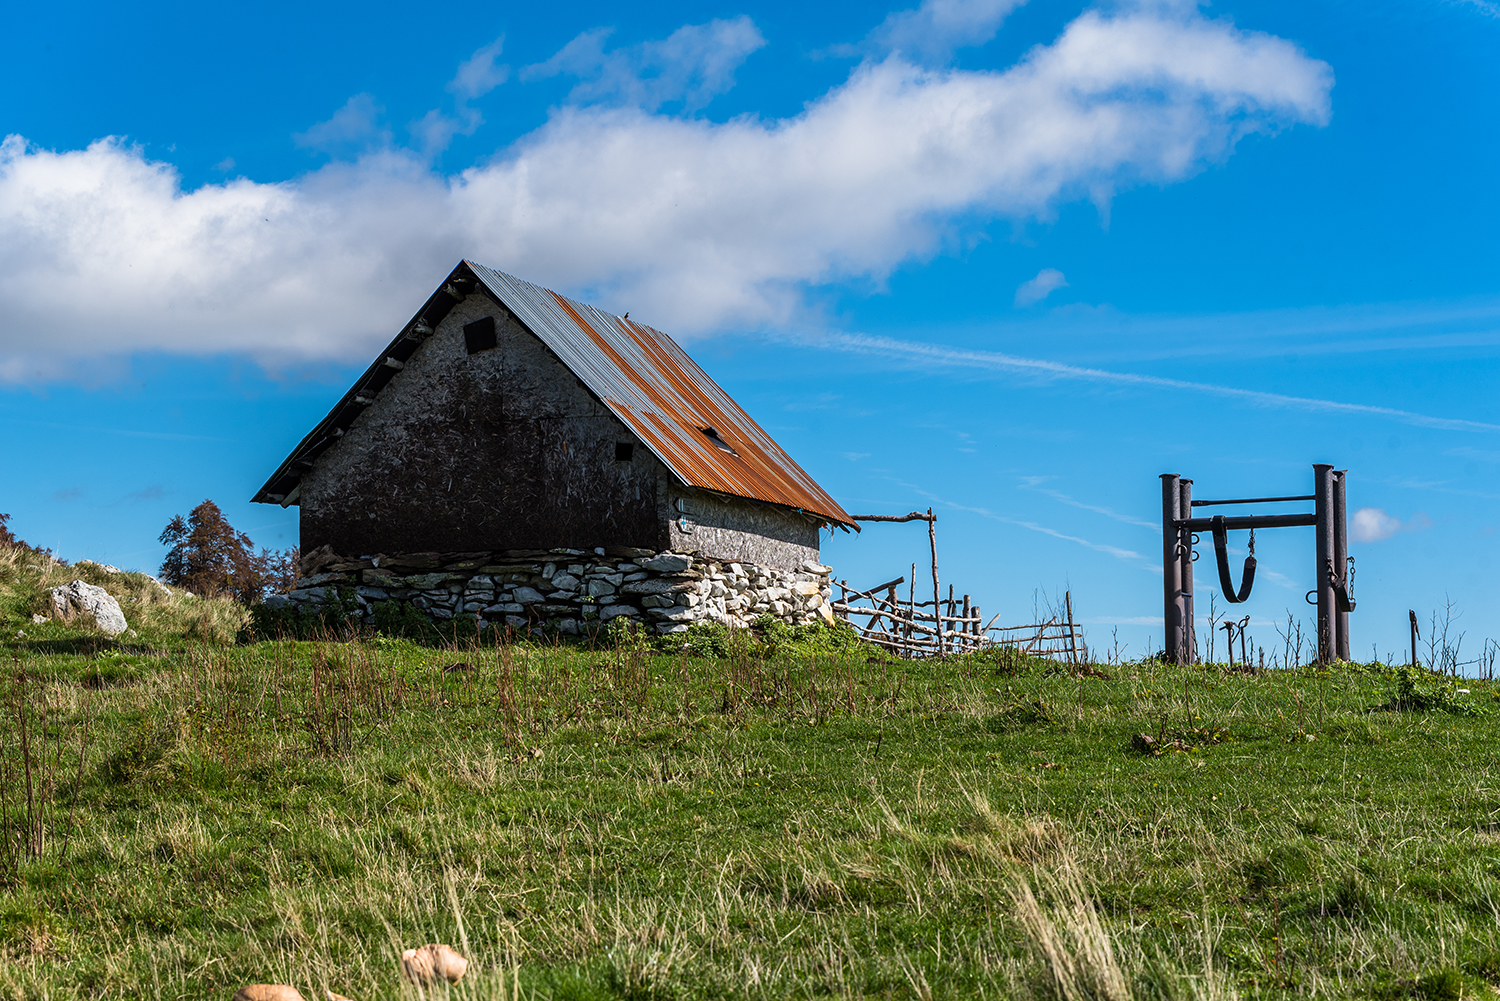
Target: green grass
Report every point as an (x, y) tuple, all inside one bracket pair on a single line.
[(795, 818)]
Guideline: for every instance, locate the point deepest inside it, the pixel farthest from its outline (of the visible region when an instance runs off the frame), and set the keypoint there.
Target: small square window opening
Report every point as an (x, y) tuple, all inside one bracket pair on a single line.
[(624, 451), (479, 335)]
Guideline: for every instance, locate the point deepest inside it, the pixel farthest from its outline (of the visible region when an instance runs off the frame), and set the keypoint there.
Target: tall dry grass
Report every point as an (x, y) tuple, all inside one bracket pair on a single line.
[(150, 608)]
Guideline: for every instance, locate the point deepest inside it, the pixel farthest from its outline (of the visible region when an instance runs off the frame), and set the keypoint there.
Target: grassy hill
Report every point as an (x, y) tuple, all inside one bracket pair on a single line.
[(794, 815)]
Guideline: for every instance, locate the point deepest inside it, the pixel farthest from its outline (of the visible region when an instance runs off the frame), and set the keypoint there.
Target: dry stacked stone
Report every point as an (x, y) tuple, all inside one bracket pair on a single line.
[(570, 590)]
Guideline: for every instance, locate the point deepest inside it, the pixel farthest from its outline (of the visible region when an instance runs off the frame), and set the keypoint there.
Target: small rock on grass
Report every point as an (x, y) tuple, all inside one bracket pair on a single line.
[(268, 992), (276, 992), (433, 962)]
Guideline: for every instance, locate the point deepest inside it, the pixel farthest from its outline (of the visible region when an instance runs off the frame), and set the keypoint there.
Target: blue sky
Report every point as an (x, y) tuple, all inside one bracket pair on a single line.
[(1010, 260)]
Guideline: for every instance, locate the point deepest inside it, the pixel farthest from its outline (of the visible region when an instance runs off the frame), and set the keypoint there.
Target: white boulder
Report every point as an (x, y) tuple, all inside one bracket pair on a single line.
[(86, 601)]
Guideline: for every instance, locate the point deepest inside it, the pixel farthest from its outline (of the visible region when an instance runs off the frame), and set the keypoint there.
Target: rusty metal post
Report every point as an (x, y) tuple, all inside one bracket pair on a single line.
[(1416, 634), (1323, 515), (1340, 562), (1185, 555), (1171, 569)]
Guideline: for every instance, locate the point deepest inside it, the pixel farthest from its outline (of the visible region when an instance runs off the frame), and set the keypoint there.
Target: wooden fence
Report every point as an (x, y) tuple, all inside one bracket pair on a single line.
[(1058, 638), (911, 628)]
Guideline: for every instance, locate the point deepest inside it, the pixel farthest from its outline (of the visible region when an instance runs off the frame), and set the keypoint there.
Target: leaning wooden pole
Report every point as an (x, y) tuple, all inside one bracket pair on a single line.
[(937, 595)]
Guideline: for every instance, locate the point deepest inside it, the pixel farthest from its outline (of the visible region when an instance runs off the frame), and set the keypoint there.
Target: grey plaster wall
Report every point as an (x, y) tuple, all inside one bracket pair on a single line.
[(504, 449), (735, 530)]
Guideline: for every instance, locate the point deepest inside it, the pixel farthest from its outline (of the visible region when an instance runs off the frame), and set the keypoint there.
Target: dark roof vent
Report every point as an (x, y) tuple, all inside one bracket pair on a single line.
[(718, 440)]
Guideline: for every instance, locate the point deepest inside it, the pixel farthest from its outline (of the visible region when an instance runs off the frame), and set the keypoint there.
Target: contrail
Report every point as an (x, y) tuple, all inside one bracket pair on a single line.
[(994, 360), (1033, 483), (1115, 551)]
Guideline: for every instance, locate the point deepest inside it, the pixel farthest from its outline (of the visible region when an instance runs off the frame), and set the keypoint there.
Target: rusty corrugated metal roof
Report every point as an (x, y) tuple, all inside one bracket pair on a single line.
[(662, 395), (641, 375)]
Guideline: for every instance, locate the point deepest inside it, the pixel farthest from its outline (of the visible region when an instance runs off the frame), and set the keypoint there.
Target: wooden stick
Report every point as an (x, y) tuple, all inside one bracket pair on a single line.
[(915, 616), (1072, 637), (911, 595), (936, 593)]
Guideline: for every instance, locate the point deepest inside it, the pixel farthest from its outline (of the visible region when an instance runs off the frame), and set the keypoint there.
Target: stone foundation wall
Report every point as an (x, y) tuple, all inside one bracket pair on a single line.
[(570, 590)]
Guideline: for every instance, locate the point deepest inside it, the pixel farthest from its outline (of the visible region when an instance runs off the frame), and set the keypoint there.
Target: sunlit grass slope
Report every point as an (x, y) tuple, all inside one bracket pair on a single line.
[(792, 817)]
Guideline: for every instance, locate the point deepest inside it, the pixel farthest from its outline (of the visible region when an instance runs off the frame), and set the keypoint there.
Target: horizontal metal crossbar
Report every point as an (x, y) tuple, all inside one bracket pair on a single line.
[(1251, 500), (1251, 521)]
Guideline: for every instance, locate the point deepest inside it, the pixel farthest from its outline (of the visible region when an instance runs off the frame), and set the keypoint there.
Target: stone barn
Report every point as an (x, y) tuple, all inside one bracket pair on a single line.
[(534, 462)]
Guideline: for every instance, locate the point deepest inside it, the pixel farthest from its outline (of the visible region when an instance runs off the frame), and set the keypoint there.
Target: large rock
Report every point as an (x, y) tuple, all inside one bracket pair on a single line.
[(79, 600), (380, 578), (668, 563)]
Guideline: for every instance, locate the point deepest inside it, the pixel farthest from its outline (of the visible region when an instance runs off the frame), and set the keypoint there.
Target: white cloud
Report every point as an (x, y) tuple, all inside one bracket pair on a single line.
[(480, 73), (1484, 7), (352, 127), (1372, 524), (690, 224), (694, 64), (476, 77), (1047, 281), (930, 33)]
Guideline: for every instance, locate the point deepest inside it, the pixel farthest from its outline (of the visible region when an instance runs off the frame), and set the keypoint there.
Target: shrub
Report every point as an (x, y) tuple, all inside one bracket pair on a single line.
[(399, 618)]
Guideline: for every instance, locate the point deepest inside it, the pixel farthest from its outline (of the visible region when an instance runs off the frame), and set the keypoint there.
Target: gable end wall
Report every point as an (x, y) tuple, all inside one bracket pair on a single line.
[(507, 450), (504, 449)]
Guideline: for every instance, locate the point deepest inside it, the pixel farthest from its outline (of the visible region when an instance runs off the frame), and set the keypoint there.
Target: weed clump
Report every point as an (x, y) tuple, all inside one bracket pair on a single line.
[(1424, 691)]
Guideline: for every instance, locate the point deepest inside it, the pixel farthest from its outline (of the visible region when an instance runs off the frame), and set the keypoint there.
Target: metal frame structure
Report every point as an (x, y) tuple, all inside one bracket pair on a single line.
[(1331, 549)]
